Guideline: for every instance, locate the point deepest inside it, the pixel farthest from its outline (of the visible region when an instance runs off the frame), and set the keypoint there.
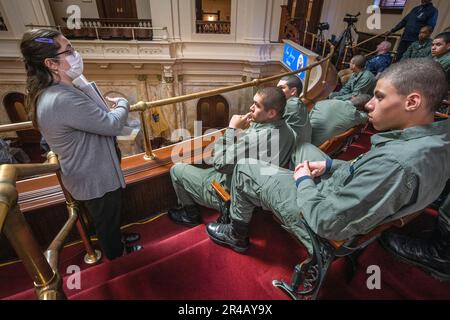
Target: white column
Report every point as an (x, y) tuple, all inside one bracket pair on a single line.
[(162, 16)]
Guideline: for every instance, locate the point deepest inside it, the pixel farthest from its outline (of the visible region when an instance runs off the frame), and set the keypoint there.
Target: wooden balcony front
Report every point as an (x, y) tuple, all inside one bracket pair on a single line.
[(112, 29), (217, 27)]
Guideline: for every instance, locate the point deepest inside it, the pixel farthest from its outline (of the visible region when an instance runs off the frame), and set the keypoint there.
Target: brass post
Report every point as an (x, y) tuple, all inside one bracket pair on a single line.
[(149, 155), (47, 281), (327, 68), (324, 49), (304, 35), (308, 74), (92, 256)]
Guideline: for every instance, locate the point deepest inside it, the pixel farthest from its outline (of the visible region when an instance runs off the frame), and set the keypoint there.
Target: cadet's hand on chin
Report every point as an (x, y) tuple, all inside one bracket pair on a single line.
[(240, 121), (302, 170)]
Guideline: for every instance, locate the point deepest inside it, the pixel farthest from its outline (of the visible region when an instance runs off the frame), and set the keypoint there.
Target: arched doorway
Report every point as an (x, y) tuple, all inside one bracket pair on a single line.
[(14, 103), (213, 112)]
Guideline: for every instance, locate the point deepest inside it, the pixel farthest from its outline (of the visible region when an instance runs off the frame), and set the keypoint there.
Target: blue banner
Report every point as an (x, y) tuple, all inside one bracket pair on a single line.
[(294, 59)]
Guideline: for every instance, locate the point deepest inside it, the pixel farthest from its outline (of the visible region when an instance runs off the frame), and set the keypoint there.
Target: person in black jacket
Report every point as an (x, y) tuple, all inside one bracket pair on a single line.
[(423, 15)]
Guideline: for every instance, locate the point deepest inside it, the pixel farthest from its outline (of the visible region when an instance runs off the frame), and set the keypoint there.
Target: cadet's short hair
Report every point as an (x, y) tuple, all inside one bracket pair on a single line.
[(361, 100), (423, 75), (273, 98), (444, 36), (359, 61), (294, 82)]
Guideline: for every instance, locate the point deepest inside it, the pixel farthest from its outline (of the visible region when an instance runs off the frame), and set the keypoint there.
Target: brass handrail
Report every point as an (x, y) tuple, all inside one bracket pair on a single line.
[(46, 279), (20, 126), (142, 106), (42, 268)]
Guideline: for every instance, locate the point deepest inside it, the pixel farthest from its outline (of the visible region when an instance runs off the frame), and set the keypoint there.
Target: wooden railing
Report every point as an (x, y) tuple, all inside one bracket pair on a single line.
[(220, 27)]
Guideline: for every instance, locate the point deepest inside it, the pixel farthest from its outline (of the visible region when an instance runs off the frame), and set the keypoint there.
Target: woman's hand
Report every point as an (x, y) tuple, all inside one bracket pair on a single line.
[(115, 102)]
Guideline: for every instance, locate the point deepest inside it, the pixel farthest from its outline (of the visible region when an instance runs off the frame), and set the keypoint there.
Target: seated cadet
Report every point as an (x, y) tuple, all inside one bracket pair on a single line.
[(269, 138), (295, 112), (382, 60), (422, 47), (330, 118), (397, 177), (362, 81), (441, 51), (432, 254)]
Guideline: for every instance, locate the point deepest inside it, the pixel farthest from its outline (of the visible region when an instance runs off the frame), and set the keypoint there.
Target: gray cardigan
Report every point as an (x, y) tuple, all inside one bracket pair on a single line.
[(82, 134)]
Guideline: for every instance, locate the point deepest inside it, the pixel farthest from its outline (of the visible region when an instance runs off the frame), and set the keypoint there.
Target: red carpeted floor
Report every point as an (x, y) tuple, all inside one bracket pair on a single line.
[(183, 264)]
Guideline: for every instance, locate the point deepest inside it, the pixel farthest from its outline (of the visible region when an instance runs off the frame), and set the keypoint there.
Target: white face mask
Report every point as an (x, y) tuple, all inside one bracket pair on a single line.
[(76, 65)]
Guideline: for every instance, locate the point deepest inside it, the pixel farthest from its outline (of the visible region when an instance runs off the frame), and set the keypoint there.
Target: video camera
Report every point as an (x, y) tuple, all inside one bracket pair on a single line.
[(351, 19), (323, 26)]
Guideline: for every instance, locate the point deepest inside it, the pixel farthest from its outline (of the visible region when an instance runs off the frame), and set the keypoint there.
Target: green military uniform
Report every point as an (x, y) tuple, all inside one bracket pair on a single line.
[(297, 117), (418, 50), (332, 117), (193, 185), (444, 60), (359, 83), (404, 171)]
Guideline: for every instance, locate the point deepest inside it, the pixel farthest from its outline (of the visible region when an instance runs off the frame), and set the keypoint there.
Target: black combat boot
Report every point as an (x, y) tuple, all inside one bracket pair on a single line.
[(223, 219), (187, 216), (432, 255), (234, 235)]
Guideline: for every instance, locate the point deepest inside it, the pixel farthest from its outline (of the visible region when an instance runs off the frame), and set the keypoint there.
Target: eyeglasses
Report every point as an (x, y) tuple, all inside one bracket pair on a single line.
[(68, 52)]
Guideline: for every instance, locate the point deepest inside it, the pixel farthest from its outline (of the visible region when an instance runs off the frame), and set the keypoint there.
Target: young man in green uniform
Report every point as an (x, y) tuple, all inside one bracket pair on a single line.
[(405, 170), (441, 51), (268, 138), (296, 113), (330, 118), (362, 81), (422, 47)]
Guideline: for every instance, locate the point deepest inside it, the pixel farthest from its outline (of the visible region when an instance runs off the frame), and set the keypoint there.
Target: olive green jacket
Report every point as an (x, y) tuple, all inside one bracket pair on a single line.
[(404, 172)]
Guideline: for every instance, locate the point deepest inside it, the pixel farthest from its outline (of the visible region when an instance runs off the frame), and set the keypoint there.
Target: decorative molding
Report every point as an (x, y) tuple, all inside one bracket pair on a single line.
[(117, 51), (169, 79), (142, 77), (103, 66), (149, 51), (137, 65), (85, 50)]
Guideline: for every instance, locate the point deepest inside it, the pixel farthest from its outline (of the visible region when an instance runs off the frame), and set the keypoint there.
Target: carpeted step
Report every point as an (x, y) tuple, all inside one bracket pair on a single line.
[(155, 247)]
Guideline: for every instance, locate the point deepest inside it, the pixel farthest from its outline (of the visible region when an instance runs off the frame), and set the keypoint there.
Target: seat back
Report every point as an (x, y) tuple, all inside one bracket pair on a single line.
[(335, 145)]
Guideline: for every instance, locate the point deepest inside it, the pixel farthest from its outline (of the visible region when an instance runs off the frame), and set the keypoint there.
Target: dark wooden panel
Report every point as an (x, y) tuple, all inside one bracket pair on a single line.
[(142, 200)]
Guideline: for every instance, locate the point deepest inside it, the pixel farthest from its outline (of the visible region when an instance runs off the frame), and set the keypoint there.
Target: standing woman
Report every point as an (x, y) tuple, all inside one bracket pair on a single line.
[(79, 131)]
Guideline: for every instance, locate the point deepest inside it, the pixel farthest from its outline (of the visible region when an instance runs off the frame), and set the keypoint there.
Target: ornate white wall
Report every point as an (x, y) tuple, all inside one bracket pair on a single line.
[(185, 63)]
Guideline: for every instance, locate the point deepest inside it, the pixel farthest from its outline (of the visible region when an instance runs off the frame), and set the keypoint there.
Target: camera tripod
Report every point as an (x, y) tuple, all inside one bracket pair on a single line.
[(320, 44), (345, 40)]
